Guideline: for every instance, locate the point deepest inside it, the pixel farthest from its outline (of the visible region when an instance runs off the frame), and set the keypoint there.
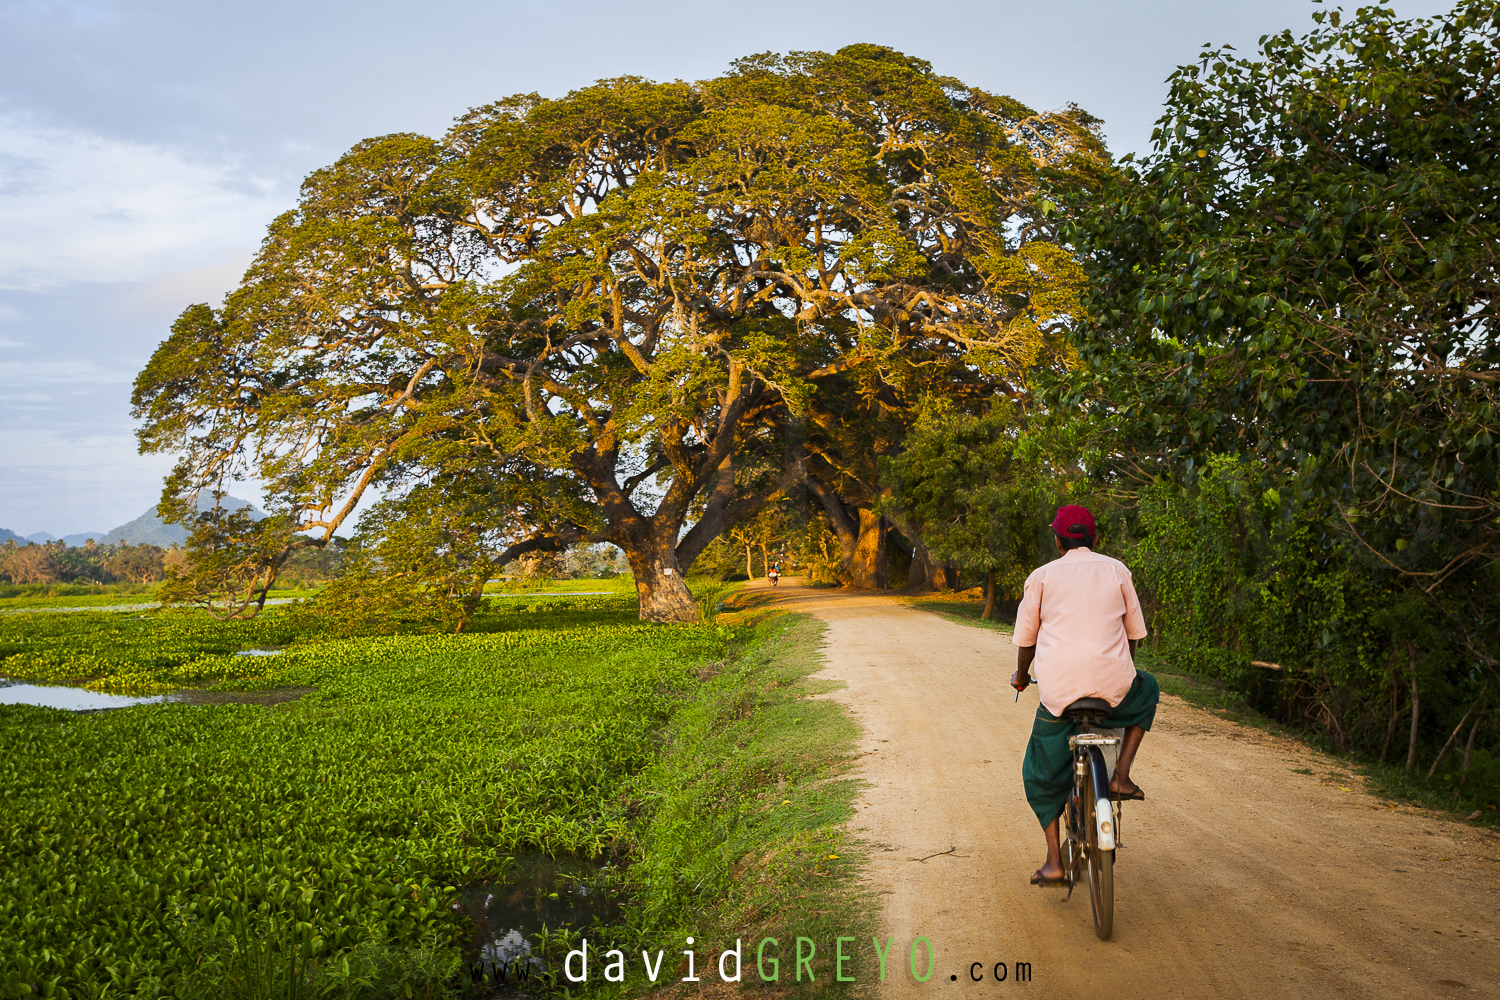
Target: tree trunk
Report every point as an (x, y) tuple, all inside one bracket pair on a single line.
[(749, 564), (664, 597), (844, 527), (1463, 775), (1416, 704), (659, 585), (765, 561), (1390, 729), (660, 554), (1456, 730), (866, 568), (989, 596), (473, 599), (951, 578), (925, 574)]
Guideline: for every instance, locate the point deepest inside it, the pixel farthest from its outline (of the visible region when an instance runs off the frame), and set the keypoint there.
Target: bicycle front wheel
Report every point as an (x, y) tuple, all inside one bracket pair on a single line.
[(1101, 866)]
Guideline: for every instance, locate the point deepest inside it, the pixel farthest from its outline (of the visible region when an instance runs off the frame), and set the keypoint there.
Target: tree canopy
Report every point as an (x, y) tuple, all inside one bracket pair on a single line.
[(626, 311), (1304, 271), (978, 489)]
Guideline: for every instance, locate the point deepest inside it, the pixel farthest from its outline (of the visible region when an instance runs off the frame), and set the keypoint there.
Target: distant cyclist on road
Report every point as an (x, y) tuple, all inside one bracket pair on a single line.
[(1078, 624)]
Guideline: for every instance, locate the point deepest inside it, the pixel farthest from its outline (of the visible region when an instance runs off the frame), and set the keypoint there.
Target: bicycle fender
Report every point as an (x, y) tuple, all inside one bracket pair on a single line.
[(1104, 812)]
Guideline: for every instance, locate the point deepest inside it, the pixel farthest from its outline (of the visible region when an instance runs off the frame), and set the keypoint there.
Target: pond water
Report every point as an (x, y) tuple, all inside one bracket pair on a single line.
[(541, 891), (554, 593), (77, 699), (72, 698)]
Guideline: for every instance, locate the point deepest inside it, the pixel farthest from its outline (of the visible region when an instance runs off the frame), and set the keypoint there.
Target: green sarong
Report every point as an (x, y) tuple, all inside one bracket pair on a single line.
[(1048, 767)]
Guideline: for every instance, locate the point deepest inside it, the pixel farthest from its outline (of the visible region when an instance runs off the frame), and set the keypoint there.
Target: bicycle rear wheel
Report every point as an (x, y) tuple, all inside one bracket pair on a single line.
[(1101, 866)]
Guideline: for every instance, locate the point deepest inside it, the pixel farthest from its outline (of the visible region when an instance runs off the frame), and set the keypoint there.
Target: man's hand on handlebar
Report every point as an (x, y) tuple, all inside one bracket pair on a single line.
[(1021, 679)]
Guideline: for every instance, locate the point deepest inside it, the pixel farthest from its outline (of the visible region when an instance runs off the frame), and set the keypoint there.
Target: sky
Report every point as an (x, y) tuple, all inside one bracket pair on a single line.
[(145, 146)]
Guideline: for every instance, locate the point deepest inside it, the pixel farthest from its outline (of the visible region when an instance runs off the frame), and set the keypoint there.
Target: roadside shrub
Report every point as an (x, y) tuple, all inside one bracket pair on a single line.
[(1238, 570)]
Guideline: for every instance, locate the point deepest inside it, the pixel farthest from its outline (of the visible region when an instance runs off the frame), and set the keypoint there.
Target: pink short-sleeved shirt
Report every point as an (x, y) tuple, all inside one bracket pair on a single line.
[(1078, 611)]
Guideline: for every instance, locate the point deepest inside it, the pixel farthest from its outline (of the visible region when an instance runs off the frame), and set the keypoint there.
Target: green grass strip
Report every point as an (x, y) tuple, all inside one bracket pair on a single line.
[(746, 839)]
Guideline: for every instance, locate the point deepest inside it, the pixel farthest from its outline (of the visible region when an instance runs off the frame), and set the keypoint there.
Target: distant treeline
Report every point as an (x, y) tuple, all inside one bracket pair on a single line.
[(58, 562)]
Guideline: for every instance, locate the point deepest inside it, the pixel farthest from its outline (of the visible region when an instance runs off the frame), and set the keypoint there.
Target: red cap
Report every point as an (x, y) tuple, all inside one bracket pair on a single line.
[(1073, 521)]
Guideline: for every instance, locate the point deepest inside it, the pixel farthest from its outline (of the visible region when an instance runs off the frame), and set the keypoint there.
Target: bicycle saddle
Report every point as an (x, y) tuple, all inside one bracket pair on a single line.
[(1089, 710)]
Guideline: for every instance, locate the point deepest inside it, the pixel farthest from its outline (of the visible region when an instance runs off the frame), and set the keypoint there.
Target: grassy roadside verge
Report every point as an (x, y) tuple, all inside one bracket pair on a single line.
[(1388, 781), (746, 836), (961, 609)]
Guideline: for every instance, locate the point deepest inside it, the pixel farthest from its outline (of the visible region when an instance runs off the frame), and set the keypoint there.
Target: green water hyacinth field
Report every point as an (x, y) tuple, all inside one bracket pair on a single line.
[(253, 849)]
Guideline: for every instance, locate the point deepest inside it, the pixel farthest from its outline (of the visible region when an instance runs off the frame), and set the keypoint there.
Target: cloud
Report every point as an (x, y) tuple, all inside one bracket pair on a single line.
[(20, 373), (75, 206), (168, 294)]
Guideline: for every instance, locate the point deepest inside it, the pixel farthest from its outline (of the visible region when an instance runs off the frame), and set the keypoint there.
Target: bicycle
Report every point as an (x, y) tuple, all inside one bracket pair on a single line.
[(1092, 828)]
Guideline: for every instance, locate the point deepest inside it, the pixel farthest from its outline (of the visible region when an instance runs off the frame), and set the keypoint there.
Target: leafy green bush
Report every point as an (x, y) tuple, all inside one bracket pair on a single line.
[(1236, 571)]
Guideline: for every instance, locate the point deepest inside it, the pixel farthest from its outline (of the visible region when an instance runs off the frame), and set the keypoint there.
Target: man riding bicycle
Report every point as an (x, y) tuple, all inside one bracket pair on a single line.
[(1078, 623)]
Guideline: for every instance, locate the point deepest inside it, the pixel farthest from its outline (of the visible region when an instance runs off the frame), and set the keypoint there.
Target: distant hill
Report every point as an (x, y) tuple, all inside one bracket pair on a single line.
[(41, 537), (83, 536), (148, 529), (6, 535)]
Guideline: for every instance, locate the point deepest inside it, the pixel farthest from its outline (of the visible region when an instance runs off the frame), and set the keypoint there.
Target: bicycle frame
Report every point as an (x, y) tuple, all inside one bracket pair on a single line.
[(1090, 745)]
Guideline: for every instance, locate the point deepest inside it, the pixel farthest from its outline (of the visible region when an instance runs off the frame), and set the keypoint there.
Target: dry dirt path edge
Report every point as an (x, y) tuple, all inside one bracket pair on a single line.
[(1239, 876)]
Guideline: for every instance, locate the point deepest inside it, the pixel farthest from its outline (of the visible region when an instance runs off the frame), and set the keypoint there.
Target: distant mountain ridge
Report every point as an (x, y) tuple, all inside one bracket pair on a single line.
[(148, 529), (83, 536)]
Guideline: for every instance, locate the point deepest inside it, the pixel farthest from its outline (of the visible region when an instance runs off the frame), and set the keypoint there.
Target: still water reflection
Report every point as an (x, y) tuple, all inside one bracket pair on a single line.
[(540, 891), (77, 699)]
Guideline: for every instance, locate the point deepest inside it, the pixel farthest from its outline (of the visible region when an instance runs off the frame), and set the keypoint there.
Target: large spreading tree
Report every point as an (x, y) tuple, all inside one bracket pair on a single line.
[(621, 311)]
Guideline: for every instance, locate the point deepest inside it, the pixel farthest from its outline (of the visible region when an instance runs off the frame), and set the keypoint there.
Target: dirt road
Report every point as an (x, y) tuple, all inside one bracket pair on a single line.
[(1240, 877)]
